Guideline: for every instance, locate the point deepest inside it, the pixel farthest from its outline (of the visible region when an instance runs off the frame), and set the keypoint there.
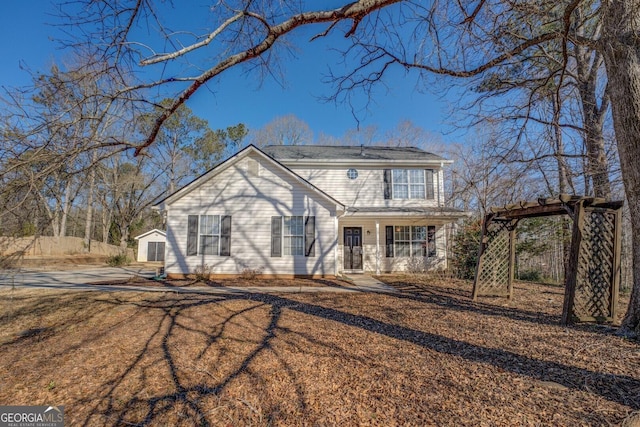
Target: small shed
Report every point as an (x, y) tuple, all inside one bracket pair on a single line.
[(151, 246)]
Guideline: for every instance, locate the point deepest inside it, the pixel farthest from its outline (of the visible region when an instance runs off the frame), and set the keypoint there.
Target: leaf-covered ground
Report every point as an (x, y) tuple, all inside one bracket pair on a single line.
[(427, 355)]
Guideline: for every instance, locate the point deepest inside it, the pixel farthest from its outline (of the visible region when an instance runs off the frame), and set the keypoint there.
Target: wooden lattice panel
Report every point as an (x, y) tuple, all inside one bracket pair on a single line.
[(493, 277), (595, 267)]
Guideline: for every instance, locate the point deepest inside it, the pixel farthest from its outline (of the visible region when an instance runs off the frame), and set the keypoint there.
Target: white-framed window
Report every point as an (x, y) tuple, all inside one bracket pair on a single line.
[(293, 235), (410, 241), (405, 184), (409, 184), (209, 235), (402, 238)]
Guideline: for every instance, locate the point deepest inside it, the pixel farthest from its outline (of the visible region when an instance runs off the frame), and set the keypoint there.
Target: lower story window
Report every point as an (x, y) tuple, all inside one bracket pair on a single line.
[(209, 235), (293, 235), (411, 241)]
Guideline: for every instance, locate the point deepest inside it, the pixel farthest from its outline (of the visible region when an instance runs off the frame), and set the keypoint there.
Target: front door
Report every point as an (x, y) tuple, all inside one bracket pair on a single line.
[(352, 248)]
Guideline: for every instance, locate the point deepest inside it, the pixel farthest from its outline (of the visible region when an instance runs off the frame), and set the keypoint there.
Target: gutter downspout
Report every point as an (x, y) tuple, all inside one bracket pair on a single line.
[(377, 246), (336, 228), (440, 171)]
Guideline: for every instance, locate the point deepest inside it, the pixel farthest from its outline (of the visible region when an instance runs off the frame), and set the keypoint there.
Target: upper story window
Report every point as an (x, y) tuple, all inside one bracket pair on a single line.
[(352, 173), (408, 184)]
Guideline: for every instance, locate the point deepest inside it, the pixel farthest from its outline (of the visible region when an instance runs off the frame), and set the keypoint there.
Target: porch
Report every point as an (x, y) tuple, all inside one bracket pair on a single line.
[(384, 240)]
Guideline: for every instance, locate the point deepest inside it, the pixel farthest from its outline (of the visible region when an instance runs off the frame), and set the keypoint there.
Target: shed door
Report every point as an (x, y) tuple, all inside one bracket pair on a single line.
[(155, 251)]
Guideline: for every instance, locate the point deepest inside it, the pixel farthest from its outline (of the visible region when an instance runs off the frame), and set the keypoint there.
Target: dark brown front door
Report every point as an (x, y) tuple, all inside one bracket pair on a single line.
[(352, 248)]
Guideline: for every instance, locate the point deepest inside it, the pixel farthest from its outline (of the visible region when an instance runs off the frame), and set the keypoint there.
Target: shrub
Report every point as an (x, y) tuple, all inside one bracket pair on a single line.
[(202, 273), (250, 273), (118, 260), (530, 276), (466, 244)]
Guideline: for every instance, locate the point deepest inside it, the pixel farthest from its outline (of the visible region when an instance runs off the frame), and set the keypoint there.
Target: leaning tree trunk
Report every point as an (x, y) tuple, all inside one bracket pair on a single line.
[(621, 47)]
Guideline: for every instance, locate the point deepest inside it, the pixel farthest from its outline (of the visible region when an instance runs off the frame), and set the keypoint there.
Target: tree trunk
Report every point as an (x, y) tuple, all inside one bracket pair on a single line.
[(89, 218), (588, 64), (106, 222), (564, 181), (621, 26), (66, 205), (598, 164)]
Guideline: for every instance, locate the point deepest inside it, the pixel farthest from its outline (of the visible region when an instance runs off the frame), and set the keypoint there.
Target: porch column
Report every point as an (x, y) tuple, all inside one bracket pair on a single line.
[(335, 248), (377, 246)]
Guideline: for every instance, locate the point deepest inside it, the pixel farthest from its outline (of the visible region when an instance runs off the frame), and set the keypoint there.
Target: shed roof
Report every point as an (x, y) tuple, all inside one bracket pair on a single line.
[(150, 232)]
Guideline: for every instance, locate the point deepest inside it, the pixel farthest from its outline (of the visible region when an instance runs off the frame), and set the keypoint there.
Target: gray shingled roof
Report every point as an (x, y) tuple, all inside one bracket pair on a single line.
[(330, 152)]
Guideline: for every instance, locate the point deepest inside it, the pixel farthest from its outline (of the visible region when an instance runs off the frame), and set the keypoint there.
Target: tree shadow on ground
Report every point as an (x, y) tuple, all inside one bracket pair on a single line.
[(460, 300), (191, 397), (136, 394)]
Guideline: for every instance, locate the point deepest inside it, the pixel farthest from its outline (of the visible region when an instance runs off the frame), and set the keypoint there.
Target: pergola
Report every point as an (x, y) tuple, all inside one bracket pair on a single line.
[(592, 276)]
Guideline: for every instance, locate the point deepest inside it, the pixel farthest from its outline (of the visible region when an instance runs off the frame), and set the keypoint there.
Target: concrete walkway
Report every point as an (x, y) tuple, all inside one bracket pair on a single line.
[(80, 279), (364, 282)]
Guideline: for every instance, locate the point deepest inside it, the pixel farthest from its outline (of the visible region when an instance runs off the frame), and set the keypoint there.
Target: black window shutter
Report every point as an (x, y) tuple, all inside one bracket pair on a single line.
[(225, 235), (389, 245), (431, 240), (192, 235), (276, 236), (429, 184), (387, 184), (310, 236)]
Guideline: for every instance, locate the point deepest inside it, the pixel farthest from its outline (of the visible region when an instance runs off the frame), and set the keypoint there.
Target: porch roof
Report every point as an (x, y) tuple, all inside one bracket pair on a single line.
[(444, 213)]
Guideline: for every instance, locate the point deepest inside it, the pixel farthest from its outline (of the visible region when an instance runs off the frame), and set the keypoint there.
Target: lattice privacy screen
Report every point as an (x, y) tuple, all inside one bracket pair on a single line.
[(592, 276), (493, 275), (594, 292)]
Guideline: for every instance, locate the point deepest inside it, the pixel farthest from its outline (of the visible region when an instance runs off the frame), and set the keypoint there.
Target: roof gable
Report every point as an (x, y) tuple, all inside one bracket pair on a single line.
[(155, 230), (188, 188)]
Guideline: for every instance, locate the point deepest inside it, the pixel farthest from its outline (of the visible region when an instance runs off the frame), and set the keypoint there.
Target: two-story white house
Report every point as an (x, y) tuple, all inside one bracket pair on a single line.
[(311, 211)]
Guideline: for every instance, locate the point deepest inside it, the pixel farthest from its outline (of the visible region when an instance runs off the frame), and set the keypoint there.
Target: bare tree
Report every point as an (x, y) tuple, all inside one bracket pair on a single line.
[(284, 130)]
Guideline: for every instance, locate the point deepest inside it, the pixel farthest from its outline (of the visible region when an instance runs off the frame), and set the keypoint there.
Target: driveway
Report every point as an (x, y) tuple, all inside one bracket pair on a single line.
[(70, 278), (79, 279)]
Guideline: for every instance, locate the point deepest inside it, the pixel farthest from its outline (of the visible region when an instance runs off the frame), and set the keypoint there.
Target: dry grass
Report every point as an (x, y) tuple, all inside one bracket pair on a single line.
[(426, 356)]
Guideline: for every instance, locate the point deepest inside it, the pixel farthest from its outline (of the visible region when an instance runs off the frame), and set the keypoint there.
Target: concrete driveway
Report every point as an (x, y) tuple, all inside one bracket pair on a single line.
[(78, 279), (70, 278)]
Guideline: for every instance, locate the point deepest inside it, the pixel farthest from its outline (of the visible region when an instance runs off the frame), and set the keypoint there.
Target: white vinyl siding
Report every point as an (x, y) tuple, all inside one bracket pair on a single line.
[(252, 200), (368, 189)]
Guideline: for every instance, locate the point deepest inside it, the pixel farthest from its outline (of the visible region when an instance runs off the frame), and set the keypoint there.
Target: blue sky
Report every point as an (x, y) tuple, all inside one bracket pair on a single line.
[(235, 98)]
